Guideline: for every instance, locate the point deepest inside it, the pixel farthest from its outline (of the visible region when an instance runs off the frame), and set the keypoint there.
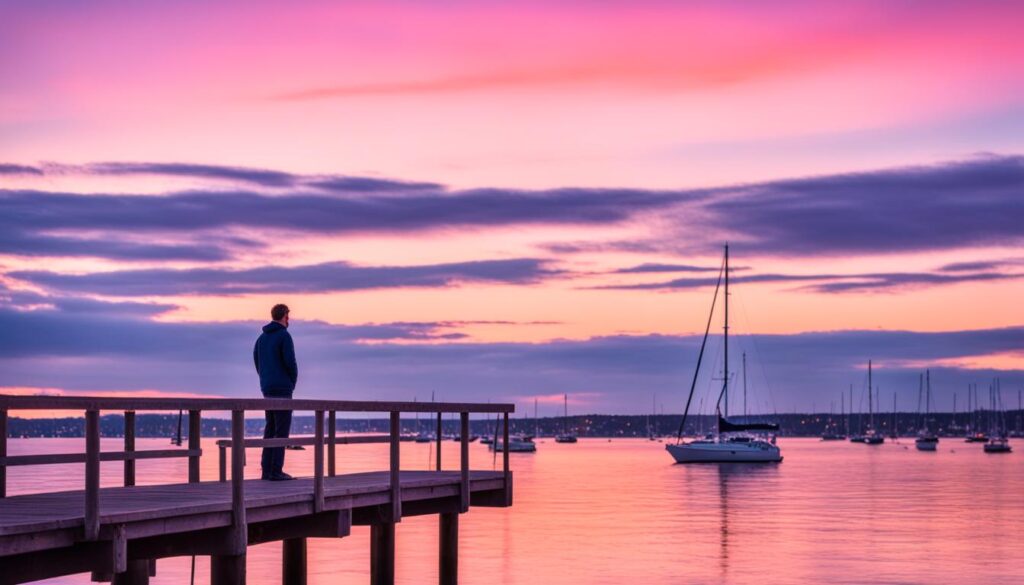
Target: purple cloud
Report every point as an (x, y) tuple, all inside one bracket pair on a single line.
[(326, 277)]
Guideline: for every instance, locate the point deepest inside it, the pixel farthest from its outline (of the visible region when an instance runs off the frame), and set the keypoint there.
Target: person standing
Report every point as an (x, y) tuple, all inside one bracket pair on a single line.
[(274, 355)]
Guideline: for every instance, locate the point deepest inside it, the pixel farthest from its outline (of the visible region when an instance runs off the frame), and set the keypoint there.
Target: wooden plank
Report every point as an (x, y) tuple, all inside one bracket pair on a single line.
[(92, 475), (396, 481), (331, 524), (194, 444), (62, 458), (3, 452), (318, 464), (46, 564), (464, 444), (8, 402), (293, 561), (332, 436), (238, 485), (448, 562), (148, 510), (129, 447)]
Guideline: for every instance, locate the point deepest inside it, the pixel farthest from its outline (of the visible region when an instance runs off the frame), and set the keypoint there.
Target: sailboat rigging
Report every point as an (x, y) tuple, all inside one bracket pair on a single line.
[(565, 436), (926, 440)]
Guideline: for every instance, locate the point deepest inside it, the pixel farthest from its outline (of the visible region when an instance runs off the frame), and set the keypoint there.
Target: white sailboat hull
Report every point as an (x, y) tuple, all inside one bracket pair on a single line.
[(725, 452), (514, 446)]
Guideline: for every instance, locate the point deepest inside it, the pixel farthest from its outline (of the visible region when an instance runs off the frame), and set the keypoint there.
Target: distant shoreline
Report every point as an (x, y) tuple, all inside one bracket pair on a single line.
[(595, 425)]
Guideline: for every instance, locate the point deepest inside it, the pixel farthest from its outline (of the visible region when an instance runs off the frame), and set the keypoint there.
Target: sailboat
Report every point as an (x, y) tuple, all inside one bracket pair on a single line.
[(870, 436), (831, 432), (926, 440), (421, 435), (734, 442), (565, 436), (998, 440), (974, 434)]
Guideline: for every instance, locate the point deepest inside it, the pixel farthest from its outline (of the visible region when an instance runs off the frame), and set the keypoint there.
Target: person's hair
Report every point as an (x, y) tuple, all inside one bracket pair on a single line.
[(278, 312)]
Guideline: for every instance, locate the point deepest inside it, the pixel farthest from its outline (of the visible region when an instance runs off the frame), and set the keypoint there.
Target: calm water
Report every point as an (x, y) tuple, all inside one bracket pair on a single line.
[(621, 512)]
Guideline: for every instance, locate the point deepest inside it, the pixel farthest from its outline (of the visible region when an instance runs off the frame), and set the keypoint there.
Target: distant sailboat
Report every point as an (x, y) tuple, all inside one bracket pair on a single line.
[(831, 433), (926, 440), (734, 442), (998, 441), (565, 436), (974, 433)]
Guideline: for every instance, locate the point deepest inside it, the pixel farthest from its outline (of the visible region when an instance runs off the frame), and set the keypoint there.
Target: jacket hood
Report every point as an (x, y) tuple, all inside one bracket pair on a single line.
[(272, 327)]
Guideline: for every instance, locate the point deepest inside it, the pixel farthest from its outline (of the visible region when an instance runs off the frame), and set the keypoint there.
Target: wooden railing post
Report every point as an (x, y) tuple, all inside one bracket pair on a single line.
[(438, 439), (318, 464), (240, 536), (396, 480), (504, 462), (129, 447), (464, 444), (332, 433), (92, 474), (3, 452), (195, 430), (222, 462)]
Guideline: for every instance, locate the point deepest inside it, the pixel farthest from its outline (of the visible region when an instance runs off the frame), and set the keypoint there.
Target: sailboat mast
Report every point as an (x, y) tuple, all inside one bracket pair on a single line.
[(927, 397), (565, 419), (536, 421), (871, 411), (744, 383), (895, 431), (849, 417), (725, 334), (842, 411)]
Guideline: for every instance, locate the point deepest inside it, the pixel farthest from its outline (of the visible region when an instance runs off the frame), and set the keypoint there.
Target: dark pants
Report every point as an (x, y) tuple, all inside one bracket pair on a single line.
[(279, 424)]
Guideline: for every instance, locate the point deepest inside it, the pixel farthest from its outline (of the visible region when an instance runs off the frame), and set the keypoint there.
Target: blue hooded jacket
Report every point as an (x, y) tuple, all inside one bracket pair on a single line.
[(274, 355)]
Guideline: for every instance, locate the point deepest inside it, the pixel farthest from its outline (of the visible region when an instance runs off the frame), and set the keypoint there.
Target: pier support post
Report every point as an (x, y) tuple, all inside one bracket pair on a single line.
[(137, 574), (293, 561), (227, 570), (449, 549), (382, 554)]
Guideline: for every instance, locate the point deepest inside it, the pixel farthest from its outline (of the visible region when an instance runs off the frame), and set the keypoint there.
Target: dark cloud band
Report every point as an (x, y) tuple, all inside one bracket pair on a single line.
[(316, 278)]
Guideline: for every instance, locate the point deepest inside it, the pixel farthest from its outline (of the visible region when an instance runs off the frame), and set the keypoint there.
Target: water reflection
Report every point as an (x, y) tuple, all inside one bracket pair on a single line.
[(745, 480)]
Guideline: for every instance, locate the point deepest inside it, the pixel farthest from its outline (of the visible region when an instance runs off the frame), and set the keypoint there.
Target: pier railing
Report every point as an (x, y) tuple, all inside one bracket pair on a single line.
[(322, 441)]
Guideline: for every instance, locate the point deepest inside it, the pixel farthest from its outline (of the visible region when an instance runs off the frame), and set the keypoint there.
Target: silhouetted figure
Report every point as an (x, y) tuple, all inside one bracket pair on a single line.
[(274, 355)]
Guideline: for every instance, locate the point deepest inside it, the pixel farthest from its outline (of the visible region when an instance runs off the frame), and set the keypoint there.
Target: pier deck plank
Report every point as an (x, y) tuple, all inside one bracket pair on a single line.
[(31, 513)]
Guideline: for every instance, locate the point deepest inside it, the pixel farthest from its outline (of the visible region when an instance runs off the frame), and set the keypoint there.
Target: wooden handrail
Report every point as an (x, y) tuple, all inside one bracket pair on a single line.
[(290, 441), (62, 458), (8, 402)]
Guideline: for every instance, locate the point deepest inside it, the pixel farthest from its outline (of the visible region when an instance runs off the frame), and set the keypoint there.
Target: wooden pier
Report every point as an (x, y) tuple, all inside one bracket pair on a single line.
[(118, 533)]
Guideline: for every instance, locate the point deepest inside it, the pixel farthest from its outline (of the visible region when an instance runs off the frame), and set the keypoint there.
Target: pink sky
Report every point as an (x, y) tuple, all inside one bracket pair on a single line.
[(526, 97)]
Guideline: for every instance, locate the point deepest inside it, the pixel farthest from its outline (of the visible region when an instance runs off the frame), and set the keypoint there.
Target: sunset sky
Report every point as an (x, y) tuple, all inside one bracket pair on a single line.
[(508, 201)]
